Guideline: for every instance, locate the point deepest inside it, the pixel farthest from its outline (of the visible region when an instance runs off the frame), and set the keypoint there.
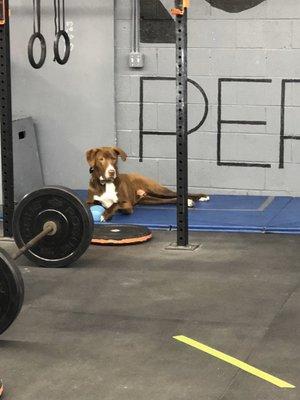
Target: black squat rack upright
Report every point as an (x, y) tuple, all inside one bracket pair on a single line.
[(181, 124), (180, 12), (6, 121)]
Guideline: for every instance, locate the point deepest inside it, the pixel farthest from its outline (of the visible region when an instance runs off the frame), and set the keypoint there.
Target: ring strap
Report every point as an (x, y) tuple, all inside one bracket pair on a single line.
[(60, 32), (37, 36)]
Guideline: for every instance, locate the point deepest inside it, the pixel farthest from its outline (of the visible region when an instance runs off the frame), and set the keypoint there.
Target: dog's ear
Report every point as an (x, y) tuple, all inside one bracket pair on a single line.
[(120, 153), (91, 157)]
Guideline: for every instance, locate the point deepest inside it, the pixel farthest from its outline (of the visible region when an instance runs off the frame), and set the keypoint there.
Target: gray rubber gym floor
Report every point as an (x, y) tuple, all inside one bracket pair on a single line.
[(103, 328)]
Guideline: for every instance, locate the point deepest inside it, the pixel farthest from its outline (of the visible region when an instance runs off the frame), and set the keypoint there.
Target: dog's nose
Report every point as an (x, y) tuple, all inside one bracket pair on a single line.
[(111, 172)]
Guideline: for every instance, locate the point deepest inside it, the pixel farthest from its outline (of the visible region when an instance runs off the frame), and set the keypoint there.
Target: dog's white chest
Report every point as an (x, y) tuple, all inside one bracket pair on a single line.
[(109, 197)]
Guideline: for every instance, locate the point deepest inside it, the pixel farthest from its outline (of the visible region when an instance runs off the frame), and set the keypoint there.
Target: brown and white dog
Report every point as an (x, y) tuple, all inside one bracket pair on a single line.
[(121, 192)]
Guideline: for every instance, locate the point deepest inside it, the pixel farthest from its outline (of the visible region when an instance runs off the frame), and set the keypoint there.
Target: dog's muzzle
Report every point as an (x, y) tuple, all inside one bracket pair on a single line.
[(110, 173)]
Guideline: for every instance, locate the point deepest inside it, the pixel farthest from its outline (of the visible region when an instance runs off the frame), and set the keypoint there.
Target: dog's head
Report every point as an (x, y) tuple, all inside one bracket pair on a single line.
[(103, 162)]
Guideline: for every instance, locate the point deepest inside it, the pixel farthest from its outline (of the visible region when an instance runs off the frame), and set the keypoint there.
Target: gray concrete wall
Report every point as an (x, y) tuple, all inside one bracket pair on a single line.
[(73, 105), (259, 43)]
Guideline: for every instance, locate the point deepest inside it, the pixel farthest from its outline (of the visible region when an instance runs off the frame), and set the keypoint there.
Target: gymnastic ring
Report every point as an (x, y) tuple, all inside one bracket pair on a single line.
[(57, 57), (40, 37)]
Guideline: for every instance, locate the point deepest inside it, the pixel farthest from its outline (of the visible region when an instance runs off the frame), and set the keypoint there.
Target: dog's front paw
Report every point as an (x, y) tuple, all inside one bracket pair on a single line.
[(102, 218), (97, 198), (191, 203), (204, 198), (107, 216)]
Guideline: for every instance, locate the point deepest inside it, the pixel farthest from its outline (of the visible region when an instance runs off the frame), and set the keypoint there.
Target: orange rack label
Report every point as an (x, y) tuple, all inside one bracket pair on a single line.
[(2, 12)]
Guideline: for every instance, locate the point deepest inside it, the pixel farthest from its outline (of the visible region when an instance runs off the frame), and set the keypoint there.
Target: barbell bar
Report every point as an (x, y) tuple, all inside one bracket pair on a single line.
[(49, 228)]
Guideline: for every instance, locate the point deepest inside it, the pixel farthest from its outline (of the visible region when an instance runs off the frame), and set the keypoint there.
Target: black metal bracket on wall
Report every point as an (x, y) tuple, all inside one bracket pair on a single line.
[(6, 121)]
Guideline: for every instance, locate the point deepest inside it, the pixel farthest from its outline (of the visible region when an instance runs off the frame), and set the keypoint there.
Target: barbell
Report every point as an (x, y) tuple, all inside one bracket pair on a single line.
[(53, 228)]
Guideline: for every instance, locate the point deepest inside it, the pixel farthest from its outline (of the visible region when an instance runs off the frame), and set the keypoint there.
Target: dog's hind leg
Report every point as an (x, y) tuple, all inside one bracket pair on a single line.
[(199, 197), (161, 192), (148, 200)]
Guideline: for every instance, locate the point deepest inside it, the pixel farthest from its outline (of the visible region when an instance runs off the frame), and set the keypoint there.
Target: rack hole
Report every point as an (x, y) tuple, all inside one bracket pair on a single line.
[(22, 135)]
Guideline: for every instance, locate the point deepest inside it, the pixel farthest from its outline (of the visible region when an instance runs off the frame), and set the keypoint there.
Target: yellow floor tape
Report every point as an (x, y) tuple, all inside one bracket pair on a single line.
[(234, 361)]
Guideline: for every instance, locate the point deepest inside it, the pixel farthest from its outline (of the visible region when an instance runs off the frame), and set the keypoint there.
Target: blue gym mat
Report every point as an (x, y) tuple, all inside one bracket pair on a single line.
[(223, 213), (288, 220)]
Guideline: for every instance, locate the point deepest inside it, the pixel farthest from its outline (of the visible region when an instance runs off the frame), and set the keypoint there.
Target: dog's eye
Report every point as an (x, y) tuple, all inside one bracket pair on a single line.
[(101, 159)]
